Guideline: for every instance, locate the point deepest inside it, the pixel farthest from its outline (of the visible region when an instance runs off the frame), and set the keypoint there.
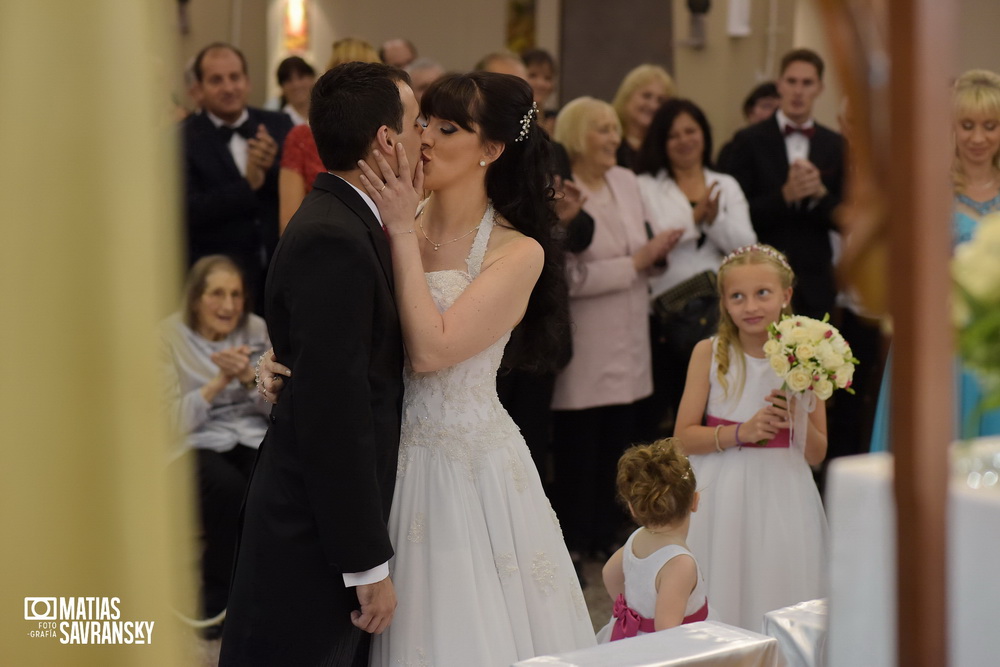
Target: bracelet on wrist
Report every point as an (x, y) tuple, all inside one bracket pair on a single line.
[(739, 443), (408, 231), (718, 447)]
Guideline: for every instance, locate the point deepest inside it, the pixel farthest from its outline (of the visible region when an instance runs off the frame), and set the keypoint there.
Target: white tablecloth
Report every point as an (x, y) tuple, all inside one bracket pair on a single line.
[(800, 631), (861, 508), (707, 643)]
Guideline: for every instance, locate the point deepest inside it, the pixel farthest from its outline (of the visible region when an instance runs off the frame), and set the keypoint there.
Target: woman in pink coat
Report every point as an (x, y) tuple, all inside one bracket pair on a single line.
[(609, 304)]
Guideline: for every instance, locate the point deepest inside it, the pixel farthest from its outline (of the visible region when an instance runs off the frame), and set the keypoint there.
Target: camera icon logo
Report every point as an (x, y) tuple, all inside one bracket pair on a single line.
[(40, 609)]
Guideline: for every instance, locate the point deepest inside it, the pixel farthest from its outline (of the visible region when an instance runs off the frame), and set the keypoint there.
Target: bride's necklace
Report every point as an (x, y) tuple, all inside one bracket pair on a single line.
[(420, 223), (663, 531)]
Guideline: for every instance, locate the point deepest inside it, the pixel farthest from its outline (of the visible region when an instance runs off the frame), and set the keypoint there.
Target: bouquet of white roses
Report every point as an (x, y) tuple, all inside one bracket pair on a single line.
[(810, 356), (976, 271)]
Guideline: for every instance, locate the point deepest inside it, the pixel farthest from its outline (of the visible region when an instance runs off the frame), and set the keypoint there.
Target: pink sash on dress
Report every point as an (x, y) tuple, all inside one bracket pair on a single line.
[(628, 622), (780, 440)]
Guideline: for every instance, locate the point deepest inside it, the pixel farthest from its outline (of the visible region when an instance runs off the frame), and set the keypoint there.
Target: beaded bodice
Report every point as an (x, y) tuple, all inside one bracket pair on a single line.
[(455, 410)]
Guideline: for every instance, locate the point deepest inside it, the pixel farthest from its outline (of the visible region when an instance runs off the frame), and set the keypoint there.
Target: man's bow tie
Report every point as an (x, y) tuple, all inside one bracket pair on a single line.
[(246, 130), (807, 132)]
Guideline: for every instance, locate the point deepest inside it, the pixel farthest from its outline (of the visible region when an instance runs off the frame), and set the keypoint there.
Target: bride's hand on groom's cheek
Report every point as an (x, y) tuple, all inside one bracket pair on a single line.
[(271, 376), (396, 196), (378, 604)]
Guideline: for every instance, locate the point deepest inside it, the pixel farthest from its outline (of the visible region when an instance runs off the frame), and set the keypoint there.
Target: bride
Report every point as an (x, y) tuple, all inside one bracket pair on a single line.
[(480, 568)]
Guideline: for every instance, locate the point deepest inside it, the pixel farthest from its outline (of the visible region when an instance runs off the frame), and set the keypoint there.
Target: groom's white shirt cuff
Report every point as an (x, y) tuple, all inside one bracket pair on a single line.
[(371, 576)]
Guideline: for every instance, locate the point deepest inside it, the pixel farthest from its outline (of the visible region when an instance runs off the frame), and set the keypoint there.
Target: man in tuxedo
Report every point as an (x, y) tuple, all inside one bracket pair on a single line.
[(314, 545), (231, 160), (791, 170)]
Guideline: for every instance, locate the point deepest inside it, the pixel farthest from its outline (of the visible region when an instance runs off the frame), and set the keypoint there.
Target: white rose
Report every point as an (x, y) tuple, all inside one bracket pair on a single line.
[(839, 345), (799, 335), (817, 330), (831, 360), (798, 379), (805, 352), (785, 326), (823, 389), (780, 365), (772, 347), (845, 374)]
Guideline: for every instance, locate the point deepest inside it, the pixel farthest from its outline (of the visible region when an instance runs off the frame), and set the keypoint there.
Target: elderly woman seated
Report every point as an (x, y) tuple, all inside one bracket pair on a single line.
[(208, 348)]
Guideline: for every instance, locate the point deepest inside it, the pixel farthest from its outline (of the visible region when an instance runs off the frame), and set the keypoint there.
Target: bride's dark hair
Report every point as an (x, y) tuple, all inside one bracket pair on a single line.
[(519, 185)]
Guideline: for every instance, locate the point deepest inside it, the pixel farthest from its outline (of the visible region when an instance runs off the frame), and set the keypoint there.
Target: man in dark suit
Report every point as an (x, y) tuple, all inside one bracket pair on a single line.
[(791, 170), (314, 545), (231, 160)]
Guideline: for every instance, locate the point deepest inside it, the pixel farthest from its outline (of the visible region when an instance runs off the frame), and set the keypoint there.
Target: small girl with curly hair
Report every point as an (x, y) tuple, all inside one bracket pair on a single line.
[(654, 580)]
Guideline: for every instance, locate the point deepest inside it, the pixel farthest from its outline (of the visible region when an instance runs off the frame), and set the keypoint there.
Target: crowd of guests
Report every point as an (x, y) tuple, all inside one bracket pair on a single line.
[(645, 216)]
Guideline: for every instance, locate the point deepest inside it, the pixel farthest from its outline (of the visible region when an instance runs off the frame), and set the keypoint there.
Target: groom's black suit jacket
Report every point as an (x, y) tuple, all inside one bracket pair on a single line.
[(758, 159), (320, 493)]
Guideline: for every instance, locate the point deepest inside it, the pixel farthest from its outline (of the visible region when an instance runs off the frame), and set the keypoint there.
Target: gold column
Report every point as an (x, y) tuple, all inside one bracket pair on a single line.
[(88, 264)]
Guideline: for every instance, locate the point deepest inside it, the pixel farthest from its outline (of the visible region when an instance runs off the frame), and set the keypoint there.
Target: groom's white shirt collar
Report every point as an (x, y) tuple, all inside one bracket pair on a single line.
[(364, 195)]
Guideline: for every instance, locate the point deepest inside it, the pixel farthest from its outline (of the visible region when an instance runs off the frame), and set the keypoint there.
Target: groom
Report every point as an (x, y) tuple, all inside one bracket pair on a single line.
[(314, 545)]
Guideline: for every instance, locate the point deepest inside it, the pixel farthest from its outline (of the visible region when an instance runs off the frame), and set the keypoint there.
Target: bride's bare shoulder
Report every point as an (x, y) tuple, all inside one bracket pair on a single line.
[(509, 244)]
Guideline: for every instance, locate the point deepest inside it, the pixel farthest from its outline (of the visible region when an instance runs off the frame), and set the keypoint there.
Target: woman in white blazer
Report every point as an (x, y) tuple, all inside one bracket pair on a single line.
[(681, 192)]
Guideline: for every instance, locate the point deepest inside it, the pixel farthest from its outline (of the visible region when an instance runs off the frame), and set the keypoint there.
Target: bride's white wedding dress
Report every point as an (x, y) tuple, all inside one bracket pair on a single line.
[(481, 571)]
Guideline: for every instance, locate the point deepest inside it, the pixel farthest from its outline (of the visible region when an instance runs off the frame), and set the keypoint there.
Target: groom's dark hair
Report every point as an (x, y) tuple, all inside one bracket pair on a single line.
[(349, 103)]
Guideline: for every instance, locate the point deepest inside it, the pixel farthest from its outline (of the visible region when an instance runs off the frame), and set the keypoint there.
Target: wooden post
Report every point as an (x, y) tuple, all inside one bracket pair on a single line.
[(921, 47)]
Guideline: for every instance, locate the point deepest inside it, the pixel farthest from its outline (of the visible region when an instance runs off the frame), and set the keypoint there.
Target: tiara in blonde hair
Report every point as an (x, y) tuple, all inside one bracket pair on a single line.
[(757, 247)]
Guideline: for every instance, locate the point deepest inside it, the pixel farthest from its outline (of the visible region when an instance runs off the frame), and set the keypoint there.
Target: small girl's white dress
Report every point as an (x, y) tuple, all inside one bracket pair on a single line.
[(635, 610), (760, 531)]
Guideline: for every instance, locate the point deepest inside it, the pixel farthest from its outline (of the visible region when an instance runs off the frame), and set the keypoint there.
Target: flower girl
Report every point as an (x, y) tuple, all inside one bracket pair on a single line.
[(761, 533), (653, 579)]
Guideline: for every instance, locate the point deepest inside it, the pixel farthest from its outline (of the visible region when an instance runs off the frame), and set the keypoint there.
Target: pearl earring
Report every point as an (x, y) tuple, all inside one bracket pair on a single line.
[(482, 163)]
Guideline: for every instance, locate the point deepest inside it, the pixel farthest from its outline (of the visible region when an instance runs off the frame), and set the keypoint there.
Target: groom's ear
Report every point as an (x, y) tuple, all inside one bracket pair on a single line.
[(384, 141)]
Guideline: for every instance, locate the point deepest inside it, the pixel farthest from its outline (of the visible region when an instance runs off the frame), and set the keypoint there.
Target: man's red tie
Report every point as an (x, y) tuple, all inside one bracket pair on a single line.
[(807, 132)]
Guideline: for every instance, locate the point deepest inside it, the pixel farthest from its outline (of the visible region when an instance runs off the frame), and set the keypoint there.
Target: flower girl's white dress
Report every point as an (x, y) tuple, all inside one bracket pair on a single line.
[(481, 572), (760, 533)]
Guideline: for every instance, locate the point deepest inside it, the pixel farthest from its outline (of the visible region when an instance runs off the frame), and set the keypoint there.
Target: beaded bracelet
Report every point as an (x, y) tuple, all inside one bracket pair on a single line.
[(718, 447)]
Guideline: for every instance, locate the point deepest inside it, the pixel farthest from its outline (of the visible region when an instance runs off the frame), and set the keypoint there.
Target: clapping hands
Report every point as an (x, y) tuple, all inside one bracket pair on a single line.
[(707, 207), (262, 149), (233, 362), (568, 201), (803, 182), (656, 250)]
